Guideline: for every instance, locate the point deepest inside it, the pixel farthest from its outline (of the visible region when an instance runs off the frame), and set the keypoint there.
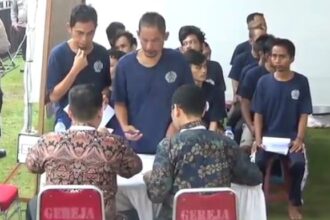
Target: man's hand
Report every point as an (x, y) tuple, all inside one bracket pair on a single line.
[(256, 146), (131, 133), (80, 61), (297, 145), (146, 176)]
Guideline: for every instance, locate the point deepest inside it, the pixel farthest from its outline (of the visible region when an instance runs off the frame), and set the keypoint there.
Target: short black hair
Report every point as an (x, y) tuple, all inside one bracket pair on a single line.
[(83, 13), (187, 30), (194, 57), (117, 54), (85, 101), (153, 19), (190, 98), (131, 39), (113, 29), (287, 44), (264, 43), (251, 16)]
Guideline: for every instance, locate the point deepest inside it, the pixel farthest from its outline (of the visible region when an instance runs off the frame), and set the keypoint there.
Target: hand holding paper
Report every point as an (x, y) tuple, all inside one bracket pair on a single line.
[(276, 145)]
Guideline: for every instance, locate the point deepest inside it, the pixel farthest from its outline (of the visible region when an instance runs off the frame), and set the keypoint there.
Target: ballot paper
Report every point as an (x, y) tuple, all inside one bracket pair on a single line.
[(108, 113), (276, 145)]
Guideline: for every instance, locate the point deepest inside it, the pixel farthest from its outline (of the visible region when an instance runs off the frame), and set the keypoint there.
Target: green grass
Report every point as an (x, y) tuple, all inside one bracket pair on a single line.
[(317, 191), (12, 124)]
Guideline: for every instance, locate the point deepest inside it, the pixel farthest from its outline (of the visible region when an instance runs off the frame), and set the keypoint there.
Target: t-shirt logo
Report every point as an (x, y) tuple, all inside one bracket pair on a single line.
[(211, 81), (98, 66), (295, 94), (171, 77)]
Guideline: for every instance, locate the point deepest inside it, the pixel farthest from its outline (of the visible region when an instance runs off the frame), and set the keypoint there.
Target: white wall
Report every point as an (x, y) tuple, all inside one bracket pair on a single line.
[(305, 22)]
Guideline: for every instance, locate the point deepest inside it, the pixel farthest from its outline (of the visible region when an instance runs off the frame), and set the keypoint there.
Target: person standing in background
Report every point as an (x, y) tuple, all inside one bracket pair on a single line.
[(18, 14)]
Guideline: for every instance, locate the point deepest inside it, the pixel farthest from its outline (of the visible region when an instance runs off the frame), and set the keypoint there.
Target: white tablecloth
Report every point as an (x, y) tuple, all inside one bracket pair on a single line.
[(132, 194)]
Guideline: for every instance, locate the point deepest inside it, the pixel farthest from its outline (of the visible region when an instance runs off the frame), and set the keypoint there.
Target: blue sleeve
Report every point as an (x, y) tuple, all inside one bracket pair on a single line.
[(236, 69), (246, 87), (218, 108), (219, 76), (187, 74), (258, 99), (119, 93), (305, 104), (236, 52), (55, 72)]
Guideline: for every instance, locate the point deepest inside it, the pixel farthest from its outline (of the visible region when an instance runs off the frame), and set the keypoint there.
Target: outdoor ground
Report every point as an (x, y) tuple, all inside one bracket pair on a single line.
[(316, 196)]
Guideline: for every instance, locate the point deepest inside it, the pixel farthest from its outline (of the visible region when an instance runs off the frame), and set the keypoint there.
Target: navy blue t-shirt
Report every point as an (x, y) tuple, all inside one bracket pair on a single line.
[(59, 65), (243, 73), (246, 69), (147, 93), (240, 62), (281, 104), (216, 106), (215, 74), (240, 48), (248, 85)]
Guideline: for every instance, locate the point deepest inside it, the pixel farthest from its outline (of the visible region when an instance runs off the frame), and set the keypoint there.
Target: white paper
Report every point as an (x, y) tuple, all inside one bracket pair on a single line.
[(108, 113), (25, 142), (276, 145)]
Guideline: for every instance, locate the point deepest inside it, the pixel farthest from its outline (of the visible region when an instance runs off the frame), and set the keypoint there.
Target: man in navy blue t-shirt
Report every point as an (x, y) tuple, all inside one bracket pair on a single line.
[(144, 83), (215, 109), (248, 84), (243, 60), (77, 61), (191, 37), (282, 102), (253, 20)]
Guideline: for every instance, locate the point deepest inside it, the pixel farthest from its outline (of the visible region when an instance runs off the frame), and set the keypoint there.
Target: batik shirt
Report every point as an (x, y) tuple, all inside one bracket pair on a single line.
[(85, 156), (194, 158)]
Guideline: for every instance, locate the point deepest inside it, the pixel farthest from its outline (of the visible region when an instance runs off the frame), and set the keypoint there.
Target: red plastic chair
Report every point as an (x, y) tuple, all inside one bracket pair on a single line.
[(59, 202), (8, 197), (205, 203)]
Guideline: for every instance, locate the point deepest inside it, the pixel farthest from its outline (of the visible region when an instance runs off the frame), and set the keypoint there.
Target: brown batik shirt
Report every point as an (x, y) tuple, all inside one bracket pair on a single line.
[(83, 155)]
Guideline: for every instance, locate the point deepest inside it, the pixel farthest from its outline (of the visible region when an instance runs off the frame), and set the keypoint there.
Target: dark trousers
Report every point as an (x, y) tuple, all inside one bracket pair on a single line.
[(296, 170), (16, 38)]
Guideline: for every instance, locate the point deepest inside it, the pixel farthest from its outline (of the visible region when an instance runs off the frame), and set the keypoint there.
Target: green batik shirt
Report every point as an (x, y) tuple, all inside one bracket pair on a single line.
[(197, 158)]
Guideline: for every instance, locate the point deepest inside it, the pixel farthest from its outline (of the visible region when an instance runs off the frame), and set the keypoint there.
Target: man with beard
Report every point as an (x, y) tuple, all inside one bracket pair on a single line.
[(144, 83), (77, 61)]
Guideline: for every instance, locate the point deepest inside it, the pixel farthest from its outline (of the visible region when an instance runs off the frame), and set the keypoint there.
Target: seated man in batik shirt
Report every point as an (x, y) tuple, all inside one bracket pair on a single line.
[(195, 157), (84, 155)]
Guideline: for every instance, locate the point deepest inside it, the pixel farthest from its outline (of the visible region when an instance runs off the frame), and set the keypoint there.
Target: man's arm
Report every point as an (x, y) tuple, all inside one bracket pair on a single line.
[(244, 171), (131, 133), (258, 125), (160, 181), (213, 126), (171, 130), (234, 84), (297, 144), (246, 113), (131, 163), (62, 88), (34, 159)]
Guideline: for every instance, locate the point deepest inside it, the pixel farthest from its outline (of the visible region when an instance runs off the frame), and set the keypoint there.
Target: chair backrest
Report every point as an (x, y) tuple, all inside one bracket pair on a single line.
[(205, 203), (60, 202)]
